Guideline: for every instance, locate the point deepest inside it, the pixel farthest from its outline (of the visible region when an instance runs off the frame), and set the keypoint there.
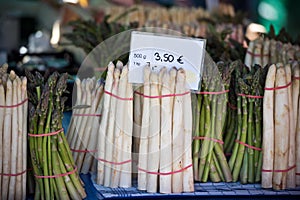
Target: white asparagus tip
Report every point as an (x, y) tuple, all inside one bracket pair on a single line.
[(119, 64), (12, 75), (111, 66)]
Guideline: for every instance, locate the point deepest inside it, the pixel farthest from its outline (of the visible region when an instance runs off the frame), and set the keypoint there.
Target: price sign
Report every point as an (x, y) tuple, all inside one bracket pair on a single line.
[(166, 51)]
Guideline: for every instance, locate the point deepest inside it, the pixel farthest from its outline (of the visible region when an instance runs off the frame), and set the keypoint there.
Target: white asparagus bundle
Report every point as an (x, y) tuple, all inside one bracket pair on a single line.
[(298, 149), (82, 136), (154, 134), (291, 179), (103, 123), (281, 136), (268, 129), (117, 124), (143, 150), (13, 135)]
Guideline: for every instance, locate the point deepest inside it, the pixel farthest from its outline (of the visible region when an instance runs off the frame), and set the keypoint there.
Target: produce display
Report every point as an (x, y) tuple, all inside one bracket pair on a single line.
[(114, 145), (54, 169), (13, 135), (281, 127), (165, 159), (83, 130)]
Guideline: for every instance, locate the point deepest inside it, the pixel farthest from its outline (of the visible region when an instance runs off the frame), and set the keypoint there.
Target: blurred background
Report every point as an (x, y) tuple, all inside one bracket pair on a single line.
[(36, 26)]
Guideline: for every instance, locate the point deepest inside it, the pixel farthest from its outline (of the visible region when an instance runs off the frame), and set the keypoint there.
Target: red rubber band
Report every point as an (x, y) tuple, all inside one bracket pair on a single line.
[(296, 77), (58, 175), (206, 92), (256, 55), (231, 106), (83, 151), (298, 174), (280, 87), (161, 96), (166, 173), (45, 134), (120, 98), (279, 170), (249, 146), (114, 163), (17, 174), (251, 96), (13, 106), (91, 115), (207, 138)]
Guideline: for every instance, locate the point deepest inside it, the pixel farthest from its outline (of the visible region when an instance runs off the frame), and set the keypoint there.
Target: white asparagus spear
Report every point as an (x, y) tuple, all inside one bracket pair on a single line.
[(18, 185), (177, 178), (2, 115), (14, 136), (257, 58), (125, 179), (119, 130), (249, 55), (7, 140), (24, 134), (266, 52), (109, 139), (165, 181), (291, 179), (188, 179), (268, 129), (154, 134), (273, 52), (281, 129), (295, 93), (104, 123), (143, 150)]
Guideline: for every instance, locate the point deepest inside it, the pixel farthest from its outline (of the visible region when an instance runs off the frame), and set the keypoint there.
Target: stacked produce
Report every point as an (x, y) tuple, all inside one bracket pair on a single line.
[(280, 120), (53, 166), (246, 159), (209, 160), (115, 131), (166, 133), (13, 135), (84, 126), (271, 50)]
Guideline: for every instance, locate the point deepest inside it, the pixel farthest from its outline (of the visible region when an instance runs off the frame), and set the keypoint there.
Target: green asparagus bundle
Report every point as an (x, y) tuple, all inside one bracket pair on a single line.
[(246, 159), (83, 129), (208, 153), (13, 135), (53, 166)]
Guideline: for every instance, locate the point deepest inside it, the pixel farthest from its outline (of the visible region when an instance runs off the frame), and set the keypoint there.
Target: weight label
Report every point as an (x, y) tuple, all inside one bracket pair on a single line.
[(166, 51)]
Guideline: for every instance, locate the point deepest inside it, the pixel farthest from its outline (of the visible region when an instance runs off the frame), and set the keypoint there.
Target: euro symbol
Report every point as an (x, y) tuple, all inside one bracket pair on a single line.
[(179, 60)]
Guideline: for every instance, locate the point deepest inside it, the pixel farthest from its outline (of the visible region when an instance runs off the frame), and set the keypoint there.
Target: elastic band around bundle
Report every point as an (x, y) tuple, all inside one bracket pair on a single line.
[(87, 115), (280, 87), (58, 175), (114, 163), (251, 96), (231, 106), (161, 96), (298, 174), (256, 55), (249, 146), (166, 173), (83, 151), (13, 106), (206, 92), (279, 170), (207, 138), (296, 77), (45, 134), (17, 174), (117, 97)]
